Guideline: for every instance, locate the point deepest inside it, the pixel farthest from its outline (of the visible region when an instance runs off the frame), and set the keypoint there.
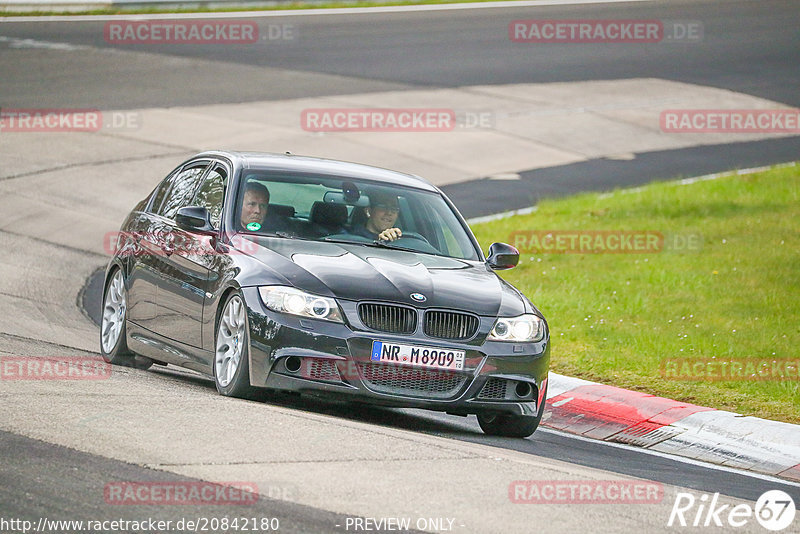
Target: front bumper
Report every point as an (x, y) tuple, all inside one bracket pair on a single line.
[(333, 359)]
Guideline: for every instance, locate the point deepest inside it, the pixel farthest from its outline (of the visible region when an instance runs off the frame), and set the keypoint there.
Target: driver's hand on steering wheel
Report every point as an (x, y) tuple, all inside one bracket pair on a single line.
[(390, 234)]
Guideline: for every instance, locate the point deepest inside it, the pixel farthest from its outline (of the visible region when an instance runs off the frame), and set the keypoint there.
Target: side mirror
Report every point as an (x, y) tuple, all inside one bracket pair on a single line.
[(502, 256), (194, 219)]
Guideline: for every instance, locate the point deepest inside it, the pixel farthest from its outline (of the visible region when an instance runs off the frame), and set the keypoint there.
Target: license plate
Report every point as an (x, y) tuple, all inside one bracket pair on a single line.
[(416, 356)]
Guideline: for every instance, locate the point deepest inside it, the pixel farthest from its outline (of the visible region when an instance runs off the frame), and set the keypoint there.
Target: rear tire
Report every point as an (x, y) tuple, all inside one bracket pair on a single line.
[(512, 426), (232, 352), (113, 341)]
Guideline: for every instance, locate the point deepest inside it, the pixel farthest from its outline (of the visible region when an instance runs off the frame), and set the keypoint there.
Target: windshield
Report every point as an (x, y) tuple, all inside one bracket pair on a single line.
[(323, 208)]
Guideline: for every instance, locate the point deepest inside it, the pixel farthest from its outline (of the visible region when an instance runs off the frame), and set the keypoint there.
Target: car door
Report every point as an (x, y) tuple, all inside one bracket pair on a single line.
[(211, 196), (144, 273), (185, 263)]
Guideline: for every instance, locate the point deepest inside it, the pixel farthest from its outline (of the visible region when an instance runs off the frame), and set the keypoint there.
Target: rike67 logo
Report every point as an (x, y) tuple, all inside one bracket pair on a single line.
[(774, 510)]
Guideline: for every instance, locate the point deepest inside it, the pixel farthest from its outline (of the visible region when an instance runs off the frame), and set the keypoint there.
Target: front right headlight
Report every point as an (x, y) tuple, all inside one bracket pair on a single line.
[(522, 329), (291, 300)]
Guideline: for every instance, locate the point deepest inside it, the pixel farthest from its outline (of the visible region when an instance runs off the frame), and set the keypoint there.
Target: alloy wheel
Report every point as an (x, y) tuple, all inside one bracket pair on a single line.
[(230, 340)]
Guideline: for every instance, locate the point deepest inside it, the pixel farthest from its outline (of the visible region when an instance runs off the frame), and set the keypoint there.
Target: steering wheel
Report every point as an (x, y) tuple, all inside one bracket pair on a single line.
[(414, 235)]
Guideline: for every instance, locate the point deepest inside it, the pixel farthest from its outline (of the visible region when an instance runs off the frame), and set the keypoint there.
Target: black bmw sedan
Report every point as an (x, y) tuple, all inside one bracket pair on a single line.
[(328, 278)]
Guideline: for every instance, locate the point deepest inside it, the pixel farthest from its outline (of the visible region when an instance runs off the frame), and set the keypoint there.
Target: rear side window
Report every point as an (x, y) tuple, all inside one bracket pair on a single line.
[(160, 193), (181, 190), (212, 193)]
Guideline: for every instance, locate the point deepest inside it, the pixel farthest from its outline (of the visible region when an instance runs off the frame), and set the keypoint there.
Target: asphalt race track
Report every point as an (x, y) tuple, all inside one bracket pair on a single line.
[(320, 464), (749, 47)]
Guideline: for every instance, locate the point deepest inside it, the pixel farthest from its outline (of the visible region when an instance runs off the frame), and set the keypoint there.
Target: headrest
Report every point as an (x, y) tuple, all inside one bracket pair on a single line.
[(328, 214), (281, 209)]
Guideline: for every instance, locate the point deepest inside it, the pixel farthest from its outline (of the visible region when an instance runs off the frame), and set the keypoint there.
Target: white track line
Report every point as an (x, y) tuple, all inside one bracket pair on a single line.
[(300, 12), (682, 459)]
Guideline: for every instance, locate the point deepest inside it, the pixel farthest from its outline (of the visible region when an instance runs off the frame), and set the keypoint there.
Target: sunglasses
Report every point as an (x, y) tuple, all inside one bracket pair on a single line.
[(386, 207)]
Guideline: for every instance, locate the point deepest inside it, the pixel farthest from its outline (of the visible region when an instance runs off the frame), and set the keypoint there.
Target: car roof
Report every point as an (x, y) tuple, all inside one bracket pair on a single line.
[(330, 167)]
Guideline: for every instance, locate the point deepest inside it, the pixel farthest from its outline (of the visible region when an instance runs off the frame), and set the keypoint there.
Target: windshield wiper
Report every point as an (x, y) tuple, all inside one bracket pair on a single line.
[(388, 244), (284, 235), (383, 244), (347, 241), (375, 243)]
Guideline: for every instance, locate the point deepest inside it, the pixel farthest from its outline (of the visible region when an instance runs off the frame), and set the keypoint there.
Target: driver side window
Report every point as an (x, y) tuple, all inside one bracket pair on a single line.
[(182, 188), (212, 194)]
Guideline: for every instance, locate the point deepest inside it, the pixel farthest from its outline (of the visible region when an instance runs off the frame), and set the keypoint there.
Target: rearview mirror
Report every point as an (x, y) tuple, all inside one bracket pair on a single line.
[(194, 219), (502, 256)]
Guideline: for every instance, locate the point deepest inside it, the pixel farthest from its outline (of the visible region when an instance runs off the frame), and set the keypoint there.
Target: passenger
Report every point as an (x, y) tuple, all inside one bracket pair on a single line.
[(381, 215)]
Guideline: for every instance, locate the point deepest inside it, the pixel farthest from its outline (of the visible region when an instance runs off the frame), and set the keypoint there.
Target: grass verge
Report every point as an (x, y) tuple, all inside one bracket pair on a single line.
[(621, 318)]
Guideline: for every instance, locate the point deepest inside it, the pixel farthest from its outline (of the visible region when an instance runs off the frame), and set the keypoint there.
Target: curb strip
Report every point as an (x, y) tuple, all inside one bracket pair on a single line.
[(614, 414)]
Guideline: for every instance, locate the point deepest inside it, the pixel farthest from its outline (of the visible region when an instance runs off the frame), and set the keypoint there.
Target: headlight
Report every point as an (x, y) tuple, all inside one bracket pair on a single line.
[(524, 328), (291, 300)]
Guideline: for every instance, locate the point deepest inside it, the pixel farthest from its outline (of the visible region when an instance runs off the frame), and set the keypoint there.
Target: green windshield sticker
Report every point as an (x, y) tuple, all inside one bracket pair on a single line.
[(253, 227)]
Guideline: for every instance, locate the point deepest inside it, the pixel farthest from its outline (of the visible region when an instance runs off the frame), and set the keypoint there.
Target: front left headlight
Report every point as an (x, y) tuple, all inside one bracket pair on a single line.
[(293, 301), (521, 329)]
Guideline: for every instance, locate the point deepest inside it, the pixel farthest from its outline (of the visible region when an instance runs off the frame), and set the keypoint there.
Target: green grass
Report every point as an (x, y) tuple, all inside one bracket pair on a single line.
[(615, 318), (205, 9)]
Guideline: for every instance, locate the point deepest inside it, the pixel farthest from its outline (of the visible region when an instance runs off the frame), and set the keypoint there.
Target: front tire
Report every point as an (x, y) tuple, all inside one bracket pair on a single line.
[(232, 351), (113, 342), (512, 426)]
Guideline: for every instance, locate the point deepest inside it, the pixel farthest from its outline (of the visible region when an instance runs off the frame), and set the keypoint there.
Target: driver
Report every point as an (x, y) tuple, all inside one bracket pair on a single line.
[(255, 208), (382, 215)]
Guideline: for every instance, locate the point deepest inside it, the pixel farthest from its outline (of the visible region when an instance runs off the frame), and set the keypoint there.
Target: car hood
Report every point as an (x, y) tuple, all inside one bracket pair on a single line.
[(360, 272)]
